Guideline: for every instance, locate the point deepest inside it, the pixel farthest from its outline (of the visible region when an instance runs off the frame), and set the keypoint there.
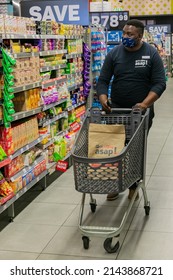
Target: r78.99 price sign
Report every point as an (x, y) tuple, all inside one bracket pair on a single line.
[(110, 20)]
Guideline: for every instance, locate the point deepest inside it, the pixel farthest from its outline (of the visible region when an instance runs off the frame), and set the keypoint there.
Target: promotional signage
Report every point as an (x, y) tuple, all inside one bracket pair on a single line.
[(67, 12), (168, 45), (110, 20), (159, 28)]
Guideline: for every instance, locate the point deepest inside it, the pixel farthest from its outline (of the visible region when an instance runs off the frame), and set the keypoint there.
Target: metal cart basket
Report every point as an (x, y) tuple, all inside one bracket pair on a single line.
[(108, 175)]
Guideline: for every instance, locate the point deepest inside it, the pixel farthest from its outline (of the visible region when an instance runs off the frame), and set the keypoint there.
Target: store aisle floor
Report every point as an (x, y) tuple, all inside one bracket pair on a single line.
[(47, 228)]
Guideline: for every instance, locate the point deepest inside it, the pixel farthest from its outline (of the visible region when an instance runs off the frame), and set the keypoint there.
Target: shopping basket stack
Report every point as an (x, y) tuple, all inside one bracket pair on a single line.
[(113, 174)]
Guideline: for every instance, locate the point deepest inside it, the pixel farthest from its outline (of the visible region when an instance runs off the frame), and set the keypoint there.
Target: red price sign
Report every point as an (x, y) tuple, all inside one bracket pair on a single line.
[(62, 165), (75, 126)]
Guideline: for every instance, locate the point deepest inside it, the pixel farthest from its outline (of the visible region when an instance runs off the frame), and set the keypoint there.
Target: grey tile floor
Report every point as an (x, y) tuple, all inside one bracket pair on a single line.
[(47, 228)]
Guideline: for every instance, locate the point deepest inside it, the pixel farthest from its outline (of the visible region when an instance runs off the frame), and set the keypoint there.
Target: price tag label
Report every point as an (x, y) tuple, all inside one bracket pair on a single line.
[(62, 165), (110, 20)]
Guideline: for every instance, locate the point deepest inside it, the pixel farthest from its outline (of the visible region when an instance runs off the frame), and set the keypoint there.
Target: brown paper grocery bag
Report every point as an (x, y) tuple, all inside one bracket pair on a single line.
[(105, 140)]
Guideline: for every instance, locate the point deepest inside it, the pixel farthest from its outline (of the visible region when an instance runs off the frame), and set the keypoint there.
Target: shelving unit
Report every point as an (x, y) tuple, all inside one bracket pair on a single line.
[(96, 40), (8, 202)]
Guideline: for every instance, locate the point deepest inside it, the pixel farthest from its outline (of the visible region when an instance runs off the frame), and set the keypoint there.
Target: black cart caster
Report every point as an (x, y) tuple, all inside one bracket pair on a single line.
[(108, 246), (85, 242), (147, 210), (93, 206)]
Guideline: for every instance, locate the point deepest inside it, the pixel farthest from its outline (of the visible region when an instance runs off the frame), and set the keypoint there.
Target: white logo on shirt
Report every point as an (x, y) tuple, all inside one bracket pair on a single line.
[(141, 63)]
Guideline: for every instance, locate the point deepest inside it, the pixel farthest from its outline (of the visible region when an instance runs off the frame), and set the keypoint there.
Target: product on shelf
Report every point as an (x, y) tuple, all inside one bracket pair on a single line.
[(74, 46), (26, 71), (5, 188), (60, 148), (27, 100), (86, 70), (50, 153), (52, 60), (16, 185), (16, 25), (8, 63), (3, 155), (14, 166), (50, 44), (18, 135)]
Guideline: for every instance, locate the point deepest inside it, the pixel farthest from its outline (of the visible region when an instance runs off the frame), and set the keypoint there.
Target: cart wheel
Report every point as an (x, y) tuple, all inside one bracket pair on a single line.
[(85, 242), (11, 220), (93, 206), (147, 210), (107, 246)]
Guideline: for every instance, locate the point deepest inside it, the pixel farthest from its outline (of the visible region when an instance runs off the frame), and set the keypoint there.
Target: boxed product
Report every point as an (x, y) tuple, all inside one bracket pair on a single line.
[(6, 140), (12, 139), (14, 166), (39, 168), (16, 185), (29, 157), (43, 165), (5, 188), (28, 177), (27, 100)]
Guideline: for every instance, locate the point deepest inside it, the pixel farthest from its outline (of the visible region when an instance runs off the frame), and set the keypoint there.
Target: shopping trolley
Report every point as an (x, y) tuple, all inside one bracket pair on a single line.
[(129, 168)]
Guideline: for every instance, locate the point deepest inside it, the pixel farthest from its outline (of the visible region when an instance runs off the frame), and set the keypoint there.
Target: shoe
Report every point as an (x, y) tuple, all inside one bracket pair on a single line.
[(131, 193), (112, 196)]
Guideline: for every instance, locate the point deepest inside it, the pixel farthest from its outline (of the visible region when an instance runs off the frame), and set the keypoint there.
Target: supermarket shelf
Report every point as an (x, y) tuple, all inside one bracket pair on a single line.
[(31, 36), (26, 87), (75, 87), (20, 36), (21, 115), (27, 147), (55, 67), (69, 76), (53, 82), (4, 162), (46, 107), (75, 106), (26, 169), (73, 55), (22, 191), (61, 133), (51, 36), (51, 167), (22, 55), (45, 146), (73, 36), (53, 52), (59, 116)]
